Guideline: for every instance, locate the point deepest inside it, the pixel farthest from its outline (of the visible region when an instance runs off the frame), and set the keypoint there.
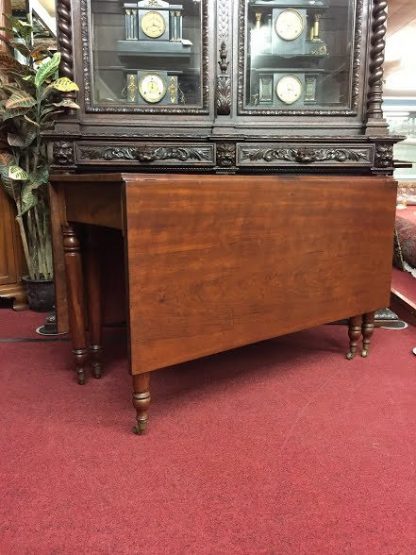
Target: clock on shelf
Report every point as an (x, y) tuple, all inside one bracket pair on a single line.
[(289, 28), (152, 88), (285, 88), (153, 27)]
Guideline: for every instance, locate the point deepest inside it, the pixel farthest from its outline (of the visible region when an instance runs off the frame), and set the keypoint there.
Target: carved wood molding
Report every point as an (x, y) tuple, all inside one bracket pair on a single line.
[(305, 155), (147, 153), (375, 80), (223, 100), (356, 70), (223, 89), (64, 23)]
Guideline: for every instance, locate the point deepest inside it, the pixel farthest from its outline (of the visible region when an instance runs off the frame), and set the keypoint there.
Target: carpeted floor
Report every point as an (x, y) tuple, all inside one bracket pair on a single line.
[(283, 447)]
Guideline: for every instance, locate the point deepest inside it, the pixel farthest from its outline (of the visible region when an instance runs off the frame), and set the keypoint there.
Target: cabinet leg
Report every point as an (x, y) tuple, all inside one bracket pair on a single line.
[(76, 306), (367, 330), (354, 333), (93, 279), (141, 401)]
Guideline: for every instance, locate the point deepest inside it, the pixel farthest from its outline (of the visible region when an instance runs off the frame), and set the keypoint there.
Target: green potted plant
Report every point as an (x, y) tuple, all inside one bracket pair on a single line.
[(31, 96)]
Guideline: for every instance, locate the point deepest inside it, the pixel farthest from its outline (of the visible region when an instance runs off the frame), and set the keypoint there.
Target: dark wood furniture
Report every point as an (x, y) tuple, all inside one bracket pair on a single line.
[(11, 256), (213, 262), (240, 146)]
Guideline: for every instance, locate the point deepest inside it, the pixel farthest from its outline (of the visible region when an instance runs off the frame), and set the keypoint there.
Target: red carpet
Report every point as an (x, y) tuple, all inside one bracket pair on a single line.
[(20, 324), (279, 448)]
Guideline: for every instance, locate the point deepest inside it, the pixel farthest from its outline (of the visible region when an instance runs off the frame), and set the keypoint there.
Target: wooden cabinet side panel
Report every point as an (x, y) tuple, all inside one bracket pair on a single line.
[(8, 256), (216, 262)]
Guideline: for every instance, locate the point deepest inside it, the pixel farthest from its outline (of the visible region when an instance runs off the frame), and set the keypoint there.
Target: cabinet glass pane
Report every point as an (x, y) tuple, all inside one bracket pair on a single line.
[(146, 54), (298, 54)]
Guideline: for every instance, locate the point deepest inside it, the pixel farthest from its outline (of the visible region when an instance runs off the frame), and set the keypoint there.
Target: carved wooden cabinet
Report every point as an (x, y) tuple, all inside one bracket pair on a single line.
[(223, 85)]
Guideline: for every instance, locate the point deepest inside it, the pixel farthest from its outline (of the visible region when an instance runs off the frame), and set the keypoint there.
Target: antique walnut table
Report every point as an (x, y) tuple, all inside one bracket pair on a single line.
[(214, 262)]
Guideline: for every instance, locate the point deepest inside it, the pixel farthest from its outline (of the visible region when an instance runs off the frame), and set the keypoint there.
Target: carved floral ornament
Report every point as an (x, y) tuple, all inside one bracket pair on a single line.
[(305, 155), (147, 153)]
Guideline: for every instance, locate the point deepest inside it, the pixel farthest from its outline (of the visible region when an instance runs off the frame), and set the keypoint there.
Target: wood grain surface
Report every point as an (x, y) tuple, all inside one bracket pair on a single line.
[(216, 262)]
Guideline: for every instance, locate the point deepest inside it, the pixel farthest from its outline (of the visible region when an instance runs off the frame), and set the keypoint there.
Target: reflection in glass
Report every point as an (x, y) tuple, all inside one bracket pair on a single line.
[(298, 53), (146, 53)]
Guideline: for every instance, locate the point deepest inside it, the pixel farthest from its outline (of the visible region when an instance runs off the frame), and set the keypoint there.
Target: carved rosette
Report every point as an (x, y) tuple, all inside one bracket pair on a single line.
[(147, 154), (64, 22), (63, 153), (226, 155), (384, 155), (304, 155), (375, 80)]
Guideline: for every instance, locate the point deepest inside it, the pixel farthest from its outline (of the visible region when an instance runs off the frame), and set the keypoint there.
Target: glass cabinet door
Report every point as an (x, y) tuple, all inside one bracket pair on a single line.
[(146, 55), (298, 54)]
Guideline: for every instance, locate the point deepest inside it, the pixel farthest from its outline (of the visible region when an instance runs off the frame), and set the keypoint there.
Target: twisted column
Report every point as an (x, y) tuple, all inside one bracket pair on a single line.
[(64, 22), (375, 81)]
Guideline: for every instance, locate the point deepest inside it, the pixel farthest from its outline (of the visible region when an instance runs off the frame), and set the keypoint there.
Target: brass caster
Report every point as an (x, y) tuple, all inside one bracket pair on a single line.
[(140, 428), (350, 356), (97, 373), (364, 353)]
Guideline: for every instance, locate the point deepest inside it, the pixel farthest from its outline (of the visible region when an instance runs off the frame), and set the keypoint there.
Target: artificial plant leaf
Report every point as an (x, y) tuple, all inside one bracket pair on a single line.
[(24, 139), (8, 62), (47, 69), (5, 160), (28, 199), (10, 88), (40, 177), (9, 186), (27, 118), (10, 114), (15, 140), (17, 173), (64, 84), (20, 99), (20, 47)]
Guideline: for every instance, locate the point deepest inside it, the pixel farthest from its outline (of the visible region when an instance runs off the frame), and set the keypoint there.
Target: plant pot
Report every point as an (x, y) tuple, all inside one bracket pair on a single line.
[(40, 294)]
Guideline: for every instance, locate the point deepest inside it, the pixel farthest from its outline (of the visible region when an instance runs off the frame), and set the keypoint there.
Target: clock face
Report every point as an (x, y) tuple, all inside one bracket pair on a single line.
[(289, 89), (289, 24), (152, 88), (153, 25)]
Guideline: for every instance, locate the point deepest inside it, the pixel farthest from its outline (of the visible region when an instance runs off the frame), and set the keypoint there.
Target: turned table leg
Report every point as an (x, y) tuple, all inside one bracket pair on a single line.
[(76, 308), (367, 331), (93, 279), (141, 401), (354, 333)]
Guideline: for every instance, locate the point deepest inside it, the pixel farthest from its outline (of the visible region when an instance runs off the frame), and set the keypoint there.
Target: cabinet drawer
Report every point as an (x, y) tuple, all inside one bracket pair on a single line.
[(145, 154), (272, 154)]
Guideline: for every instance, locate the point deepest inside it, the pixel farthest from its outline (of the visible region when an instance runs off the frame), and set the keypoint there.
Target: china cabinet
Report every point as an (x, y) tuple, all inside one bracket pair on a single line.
[(205, 85), (248, 98)]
